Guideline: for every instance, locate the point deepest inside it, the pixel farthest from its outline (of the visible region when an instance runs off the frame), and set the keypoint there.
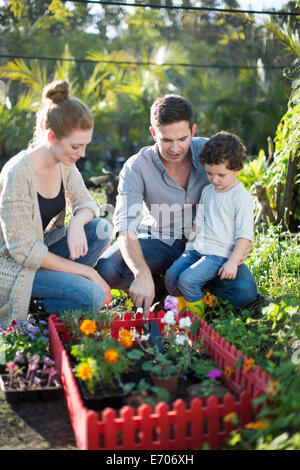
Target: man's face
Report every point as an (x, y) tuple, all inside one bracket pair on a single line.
[(173, 140)]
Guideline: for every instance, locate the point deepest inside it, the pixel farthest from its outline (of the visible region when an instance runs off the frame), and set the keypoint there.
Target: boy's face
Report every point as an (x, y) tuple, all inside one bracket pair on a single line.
[(221, 177)]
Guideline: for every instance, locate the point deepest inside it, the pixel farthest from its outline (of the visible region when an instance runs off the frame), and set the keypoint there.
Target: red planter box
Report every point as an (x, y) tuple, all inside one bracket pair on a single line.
[(165, 428)]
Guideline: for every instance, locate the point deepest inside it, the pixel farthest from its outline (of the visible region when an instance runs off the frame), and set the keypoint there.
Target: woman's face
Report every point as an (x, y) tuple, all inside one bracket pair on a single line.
[(69, 149)]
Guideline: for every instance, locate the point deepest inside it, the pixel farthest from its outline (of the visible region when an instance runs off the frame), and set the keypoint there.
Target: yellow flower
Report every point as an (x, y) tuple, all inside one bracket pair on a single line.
[(84, 371), (88, 327), (249, 364), (111, 355), (230, 417), (272, 387), (129, 304), (257, 425), (227, 371), (126, 338), (269, 353), (208, 300)]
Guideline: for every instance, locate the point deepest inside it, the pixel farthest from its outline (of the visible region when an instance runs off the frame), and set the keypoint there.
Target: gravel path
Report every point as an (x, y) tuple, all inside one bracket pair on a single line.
[(35, 426)]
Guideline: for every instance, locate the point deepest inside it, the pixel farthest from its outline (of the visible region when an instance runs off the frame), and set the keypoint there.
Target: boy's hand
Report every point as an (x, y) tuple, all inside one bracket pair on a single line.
[(228, 270)]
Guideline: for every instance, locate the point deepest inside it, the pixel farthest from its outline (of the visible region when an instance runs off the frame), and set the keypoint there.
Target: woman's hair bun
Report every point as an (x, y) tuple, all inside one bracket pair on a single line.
[(56, 91)]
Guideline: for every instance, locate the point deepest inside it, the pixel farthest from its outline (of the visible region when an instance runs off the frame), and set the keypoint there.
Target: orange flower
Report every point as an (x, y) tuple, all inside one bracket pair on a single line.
[(230, 417), (84, 371), (269, 353), (111, 355), (213, 336), (272, 387), (88, 327), (227, 371), (208, 300), (257, 425), (126, 338), (249, 364)]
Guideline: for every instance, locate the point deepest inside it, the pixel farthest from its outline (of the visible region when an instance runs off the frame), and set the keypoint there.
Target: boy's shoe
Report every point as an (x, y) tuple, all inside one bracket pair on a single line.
[(181, 303), (196, 307)]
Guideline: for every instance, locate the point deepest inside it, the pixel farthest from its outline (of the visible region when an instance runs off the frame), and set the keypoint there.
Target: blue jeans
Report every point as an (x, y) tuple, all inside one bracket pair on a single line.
[(190, 272), (64, 291), (159, 256)]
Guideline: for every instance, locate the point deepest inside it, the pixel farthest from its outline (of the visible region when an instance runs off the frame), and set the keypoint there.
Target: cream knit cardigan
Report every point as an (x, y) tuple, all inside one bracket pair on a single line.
[(23, 244)]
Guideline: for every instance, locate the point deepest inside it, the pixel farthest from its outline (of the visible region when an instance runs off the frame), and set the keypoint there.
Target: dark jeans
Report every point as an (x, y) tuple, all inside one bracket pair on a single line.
[(159, 257), (64, 291)]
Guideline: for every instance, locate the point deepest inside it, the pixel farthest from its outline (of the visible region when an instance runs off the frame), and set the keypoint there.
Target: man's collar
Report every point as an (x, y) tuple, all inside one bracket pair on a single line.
[(195, 153)]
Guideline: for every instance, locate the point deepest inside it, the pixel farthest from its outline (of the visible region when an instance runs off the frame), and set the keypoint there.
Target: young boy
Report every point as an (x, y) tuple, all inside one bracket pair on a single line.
[(223, 224)]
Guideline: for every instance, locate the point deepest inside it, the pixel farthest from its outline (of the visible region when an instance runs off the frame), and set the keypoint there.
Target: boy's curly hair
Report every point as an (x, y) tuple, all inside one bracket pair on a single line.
[(224, 147)]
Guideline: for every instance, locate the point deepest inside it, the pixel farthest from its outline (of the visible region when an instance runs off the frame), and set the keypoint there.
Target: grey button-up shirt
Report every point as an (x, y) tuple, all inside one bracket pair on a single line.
[(150, 202)]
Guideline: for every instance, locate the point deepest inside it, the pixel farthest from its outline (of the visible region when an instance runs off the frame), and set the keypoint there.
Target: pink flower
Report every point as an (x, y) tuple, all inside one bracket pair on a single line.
[(214, 374), (170, 303)]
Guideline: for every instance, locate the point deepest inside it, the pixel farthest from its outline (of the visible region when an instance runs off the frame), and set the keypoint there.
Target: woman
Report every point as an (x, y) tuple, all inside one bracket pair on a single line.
[(39, 255)]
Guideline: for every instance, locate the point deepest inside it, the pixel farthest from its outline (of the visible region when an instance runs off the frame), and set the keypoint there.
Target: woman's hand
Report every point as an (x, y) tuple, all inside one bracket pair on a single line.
[(76, 239), (97, 279)]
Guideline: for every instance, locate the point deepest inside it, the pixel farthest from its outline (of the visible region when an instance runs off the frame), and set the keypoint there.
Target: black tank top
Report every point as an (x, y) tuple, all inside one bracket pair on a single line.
[(49, 208)]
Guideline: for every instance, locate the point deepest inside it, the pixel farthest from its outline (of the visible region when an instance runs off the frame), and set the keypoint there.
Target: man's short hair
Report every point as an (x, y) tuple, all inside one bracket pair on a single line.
[(171, 108), (224, 147)]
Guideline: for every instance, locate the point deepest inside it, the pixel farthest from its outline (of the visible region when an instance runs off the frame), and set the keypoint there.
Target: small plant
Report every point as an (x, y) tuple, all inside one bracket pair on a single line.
[(202, 367), (101, 359), (73, 319), (31, 375), (27, 337), (144, 392), (178, 352)]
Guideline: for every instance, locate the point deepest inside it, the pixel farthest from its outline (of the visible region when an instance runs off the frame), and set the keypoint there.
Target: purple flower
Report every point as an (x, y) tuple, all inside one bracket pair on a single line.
[(12, 369), (48, 362), (214, 374), (36, 381), (170, 303)]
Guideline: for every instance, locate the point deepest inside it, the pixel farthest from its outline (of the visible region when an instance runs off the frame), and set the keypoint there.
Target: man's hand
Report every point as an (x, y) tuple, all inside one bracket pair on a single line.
[(228, 270), (142, 292), (142, 289)]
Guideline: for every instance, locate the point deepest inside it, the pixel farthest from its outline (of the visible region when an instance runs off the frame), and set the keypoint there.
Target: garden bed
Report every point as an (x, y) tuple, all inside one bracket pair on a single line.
[(176, 426)]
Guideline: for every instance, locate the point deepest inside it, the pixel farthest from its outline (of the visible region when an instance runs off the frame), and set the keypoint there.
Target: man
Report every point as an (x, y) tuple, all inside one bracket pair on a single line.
[(164, 181)]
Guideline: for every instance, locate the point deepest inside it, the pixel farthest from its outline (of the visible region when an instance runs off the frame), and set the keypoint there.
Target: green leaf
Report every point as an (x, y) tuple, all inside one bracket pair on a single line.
[(239, 362), (195, 327)]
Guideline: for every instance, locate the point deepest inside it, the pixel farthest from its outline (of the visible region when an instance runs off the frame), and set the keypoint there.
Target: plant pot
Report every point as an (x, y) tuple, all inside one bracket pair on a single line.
[(169, 384), (43, 393), (204, 391), (102, 398)]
